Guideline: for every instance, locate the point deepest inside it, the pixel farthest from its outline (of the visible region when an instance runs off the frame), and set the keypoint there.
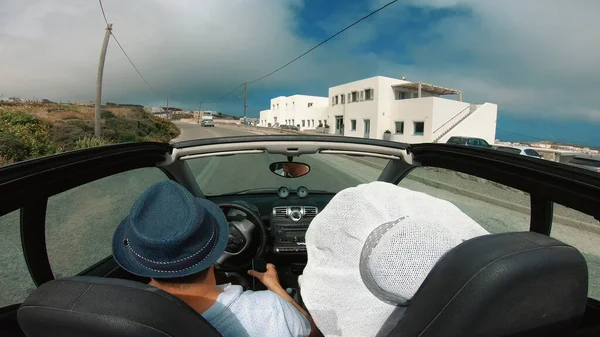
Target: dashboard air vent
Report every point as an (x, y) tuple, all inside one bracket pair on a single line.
[(280, 212), (310, 212)]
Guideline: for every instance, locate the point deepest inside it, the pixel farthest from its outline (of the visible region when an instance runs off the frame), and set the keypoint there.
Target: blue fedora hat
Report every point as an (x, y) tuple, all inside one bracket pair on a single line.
[(170, 233)]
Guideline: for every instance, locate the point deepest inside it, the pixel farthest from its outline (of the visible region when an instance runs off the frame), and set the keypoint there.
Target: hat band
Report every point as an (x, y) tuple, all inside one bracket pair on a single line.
[(182, 264)]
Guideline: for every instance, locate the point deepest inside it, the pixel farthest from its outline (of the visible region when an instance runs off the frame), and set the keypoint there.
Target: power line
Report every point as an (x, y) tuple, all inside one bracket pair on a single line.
[(103, 14), (130, 61), (520, 134), (229, 93), (323, 42), (311, 49), (123, 50)]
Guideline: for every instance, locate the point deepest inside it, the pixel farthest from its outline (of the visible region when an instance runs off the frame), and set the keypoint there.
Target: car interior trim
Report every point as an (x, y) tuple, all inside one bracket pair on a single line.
[(358, 153), (223, 153)]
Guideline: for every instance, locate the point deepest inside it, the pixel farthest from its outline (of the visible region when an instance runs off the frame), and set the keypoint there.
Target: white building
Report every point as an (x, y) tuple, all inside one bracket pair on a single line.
[(302, 110), (413, 112)]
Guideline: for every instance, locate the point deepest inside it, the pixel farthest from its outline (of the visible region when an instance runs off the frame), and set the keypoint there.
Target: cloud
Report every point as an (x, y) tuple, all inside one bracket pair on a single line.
[(530, 57), (184, 48)]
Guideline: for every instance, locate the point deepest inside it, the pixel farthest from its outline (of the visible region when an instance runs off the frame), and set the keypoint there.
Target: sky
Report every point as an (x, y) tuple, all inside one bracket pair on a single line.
[(538, 60)]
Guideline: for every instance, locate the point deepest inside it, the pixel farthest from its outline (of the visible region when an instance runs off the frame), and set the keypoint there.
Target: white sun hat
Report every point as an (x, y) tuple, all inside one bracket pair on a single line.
[(370, 249)]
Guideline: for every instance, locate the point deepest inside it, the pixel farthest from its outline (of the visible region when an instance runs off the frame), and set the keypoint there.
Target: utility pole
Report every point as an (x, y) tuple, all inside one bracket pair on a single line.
[(97, 125), (245, 105), (199, 111)]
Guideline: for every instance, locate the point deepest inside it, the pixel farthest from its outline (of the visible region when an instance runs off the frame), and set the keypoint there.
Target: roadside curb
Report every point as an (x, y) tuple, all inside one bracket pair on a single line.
[(490, 200)]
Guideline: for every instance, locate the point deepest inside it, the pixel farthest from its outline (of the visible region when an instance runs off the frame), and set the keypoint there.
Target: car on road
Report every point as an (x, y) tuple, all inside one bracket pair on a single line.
[(587, 162), (468, 141), (58, 215), (522, 150), (207, 122)]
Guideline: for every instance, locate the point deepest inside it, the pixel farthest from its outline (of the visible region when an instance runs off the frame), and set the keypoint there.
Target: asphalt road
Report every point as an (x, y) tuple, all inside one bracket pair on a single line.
[(81, 221)]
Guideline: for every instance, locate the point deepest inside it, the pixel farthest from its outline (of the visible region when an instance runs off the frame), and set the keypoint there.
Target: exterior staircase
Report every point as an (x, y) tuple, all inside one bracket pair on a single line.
[(457, 119)]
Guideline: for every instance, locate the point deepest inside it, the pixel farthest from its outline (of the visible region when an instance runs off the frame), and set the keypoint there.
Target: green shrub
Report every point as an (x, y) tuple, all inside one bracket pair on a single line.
[(105, 114), (24, 136), (12, 149), (90, 141), (66, 135)]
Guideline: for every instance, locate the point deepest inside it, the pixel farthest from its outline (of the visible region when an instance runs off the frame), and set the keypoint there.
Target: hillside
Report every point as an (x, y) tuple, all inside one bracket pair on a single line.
[(30, 130)]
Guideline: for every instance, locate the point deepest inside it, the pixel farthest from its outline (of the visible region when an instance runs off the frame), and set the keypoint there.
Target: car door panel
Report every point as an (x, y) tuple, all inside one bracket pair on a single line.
[(26, 186)]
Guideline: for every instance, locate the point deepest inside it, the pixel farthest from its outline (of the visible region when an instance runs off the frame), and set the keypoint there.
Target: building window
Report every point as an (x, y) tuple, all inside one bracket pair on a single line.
[(273, 106), (309, 105), (368, 94), (343, 98), (313, 123), (353, 125), (415, 94), (303, 123), (293, 105), (399, 128), (354, 96), (419, 128), (277, 106), (401, 95)]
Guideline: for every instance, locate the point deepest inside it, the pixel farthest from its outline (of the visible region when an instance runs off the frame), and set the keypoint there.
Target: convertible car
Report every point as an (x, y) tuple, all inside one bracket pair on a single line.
[(58, 215)]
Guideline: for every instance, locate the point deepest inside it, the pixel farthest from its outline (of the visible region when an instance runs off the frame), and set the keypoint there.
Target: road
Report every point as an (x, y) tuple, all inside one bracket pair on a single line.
[(81, 221)]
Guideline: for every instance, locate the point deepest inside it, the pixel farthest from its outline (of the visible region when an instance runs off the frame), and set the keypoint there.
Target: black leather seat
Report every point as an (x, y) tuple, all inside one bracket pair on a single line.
[(510, 284), (94, 307)]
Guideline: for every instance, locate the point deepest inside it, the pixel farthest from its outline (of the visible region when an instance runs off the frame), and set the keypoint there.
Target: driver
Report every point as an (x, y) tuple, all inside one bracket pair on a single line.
[(370, 249), (174, 239), (291, 170)]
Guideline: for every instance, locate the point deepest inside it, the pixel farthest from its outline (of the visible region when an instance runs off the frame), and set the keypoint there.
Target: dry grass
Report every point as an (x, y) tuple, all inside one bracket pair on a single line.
[(30, 130), (60, 112)]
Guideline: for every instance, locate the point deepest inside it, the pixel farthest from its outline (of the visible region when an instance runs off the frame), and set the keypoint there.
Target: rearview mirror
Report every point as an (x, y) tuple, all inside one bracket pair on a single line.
[(289, 170)]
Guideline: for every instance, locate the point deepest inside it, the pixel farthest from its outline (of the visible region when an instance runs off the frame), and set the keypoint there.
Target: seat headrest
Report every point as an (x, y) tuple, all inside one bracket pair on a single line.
[(508, 284), (94, 307)]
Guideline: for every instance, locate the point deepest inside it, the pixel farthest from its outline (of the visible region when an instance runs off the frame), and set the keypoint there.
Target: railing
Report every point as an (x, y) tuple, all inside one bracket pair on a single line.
[(472, 108), (450, 120)]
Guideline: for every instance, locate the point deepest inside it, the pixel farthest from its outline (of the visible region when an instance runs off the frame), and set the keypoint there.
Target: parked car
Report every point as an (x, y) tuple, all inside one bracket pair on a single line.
[(522, 150), (586, 162), (289, 127), (469, 141)]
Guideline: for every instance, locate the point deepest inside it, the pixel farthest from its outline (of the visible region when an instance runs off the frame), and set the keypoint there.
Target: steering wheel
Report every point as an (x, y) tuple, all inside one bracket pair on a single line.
[(241, 233)]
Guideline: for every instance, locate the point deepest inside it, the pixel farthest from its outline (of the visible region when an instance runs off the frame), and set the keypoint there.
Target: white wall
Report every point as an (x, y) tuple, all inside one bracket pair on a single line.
[(374, 110), (480, 124), (294, 109), (410, 111), (444, 110)]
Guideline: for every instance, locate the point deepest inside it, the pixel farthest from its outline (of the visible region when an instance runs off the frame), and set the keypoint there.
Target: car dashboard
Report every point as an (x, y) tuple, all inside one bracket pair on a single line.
[(287, 216)]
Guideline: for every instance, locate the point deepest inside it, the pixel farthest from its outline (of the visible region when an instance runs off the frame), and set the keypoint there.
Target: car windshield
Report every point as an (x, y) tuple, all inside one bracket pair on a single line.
[(250, 173)]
